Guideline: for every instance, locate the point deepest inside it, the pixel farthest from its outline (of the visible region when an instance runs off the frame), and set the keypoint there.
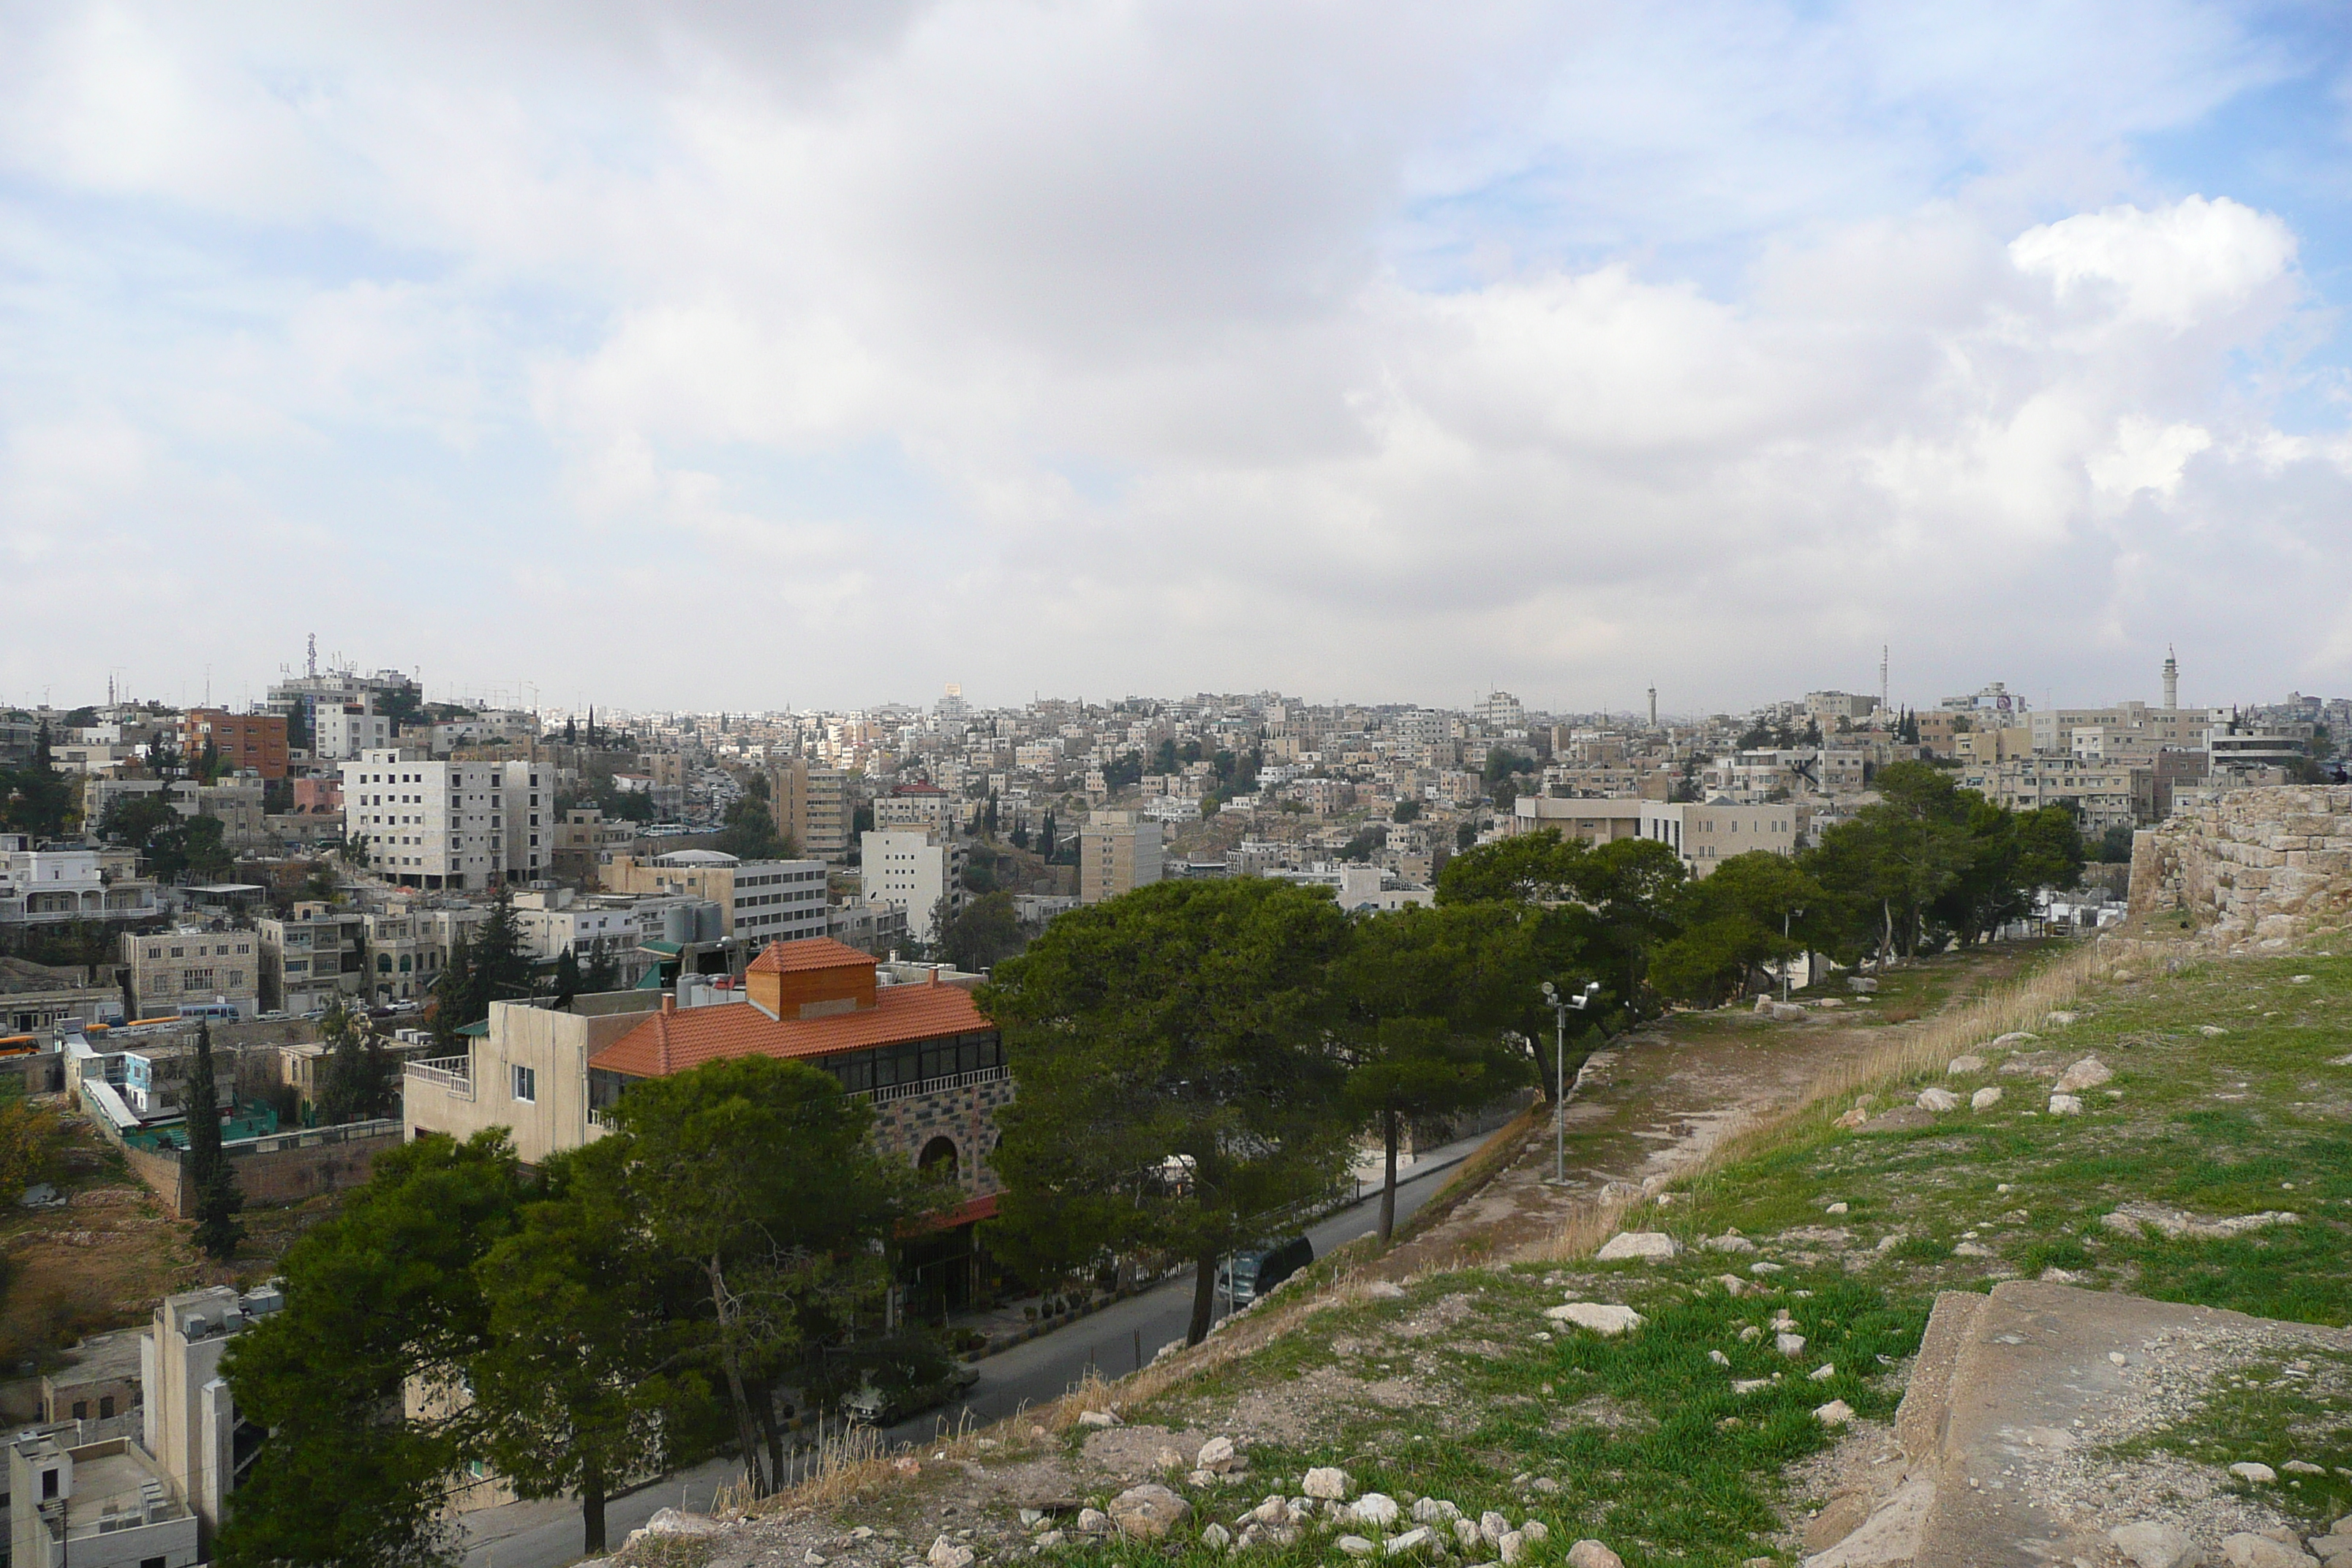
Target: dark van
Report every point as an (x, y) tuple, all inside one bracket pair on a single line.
[(1246, 1276)]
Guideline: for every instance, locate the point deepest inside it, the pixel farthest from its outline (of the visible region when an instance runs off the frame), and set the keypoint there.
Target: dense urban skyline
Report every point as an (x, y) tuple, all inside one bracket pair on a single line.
[(678, 356)]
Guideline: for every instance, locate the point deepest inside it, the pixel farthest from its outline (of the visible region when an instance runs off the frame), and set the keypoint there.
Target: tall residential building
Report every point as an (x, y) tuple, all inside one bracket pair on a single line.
[(1119, 851), (812, 806), (310, 962), (192, 1424), (1501, 711), (765, 901), (459, 827), (915, 869), (343, 729), (246, 742)]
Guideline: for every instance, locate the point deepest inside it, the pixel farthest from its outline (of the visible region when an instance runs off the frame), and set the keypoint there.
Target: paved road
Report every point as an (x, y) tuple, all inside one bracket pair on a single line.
[(546, 1534)]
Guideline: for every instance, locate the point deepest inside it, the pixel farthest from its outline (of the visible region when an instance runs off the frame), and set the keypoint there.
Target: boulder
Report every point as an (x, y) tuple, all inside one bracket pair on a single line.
[(1937, 1100), (1836, 1413), (1511, 1548), (1730, 1241), (1376, 1509), (1093, 1522), (1601, 1317), (2246, 1550), (1420, 1538), (2150, 1543), (947, 1552), (671, 1522), (1216, 1538), (2065, 1105), (1592, 1554), (2088, 1073), (2211, 1031), (1790, 1345), (1854, 1118), (1096, 1418), (1433, 1509), (1328, 1482), (1148, 1512), (1217, 1457), (1493, 1527), (1861, 983), (1467, 1534), (1647, 1245), (1960, 1065), (1357, 1546), (2254, 1472), (1984, 1098), (1534, 1531)]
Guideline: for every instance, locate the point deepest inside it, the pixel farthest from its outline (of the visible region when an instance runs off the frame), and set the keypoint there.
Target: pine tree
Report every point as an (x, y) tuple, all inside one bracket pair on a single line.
[(567, 977), (205, 1172)]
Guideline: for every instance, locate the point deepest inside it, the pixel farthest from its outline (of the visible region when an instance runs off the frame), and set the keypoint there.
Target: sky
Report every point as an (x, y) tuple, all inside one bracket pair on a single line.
[(755, 355)]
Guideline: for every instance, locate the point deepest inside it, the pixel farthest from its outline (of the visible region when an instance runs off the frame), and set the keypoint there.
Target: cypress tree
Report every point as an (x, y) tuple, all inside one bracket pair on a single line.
[(205, 1171)]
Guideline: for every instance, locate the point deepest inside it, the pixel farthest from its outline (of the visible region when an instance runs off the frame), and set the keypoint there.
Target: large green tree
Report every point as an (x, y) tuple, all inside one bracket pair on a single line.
[(1179, 1089), (38, 798), (748, 832), (205, 1171), (1604, 909), (1429, 1000), (984, 933), (357, 1079), (384, 1310), (1754, 910)]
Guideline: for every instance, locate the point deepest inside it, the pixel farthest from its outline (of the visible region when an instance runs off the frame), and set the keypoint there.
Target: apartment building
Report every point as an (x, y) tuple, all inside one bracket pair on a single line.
[(2103, 795), (813, 807), (2053, 728), (916, 869), (583, 845), (48, 887), (342, 730), (193, 967), (1119, 851), (1705, 834), (915, 808), (527, 1071), (408, 946), (1587, 820), (246, 742), (761, 900), (618, 924), (313, 960), (190, 1425), (459, 827)]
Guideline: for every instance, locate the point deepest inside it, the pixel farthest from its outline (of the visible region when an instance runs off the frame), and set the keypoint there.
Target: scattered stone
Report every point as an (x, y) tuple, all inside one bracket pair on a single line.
[(1433, 1511), (1854, 1118), (1468, 1533), (1493, 1527), (1730, 1241), (1750, 1384), (1096, 1418), (1540, 1484), (1837, 1208), (1356, 1546), (1328, 1482), (1718, 1358), (1148, 1511), (2065, 1105), (1511, 1548), (1964, 1064), (1592, 1554), (2303, 1467), (2063, 1019), (2151, 1543), (1836, 1413), (1861, 983), (1376, 1509), (1601, 1317), (2131, 1219), (946, 1552), (1733, 1285), (1051, 1538), (671, 1522), (1761, 1268), (1790, 1345), (2014, 1038), (1937, 1100), (1217, 1457), (1216, 1538), (1420, 1538), (1199, 1478), (1824, 1373), (1093, 1522), (2211, 1031), (1972, 1249), (2253, 1471), (1984, 1098), (1535, 1531), (1385, 1290), (2088, 1073), (2299, 980), (2245, 1550), (1651, 1246)]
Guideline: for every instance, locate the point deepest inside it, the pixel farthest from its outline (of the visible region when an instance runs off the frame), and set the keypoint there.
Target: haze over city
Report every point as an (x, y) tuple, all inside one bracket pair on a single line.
[(685, 356)]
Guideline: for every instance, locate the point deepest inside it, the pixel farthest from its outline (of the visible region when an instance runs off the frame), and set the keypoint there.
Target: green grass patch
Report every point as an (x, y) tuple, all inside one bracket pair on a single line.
[(2276, 1414)]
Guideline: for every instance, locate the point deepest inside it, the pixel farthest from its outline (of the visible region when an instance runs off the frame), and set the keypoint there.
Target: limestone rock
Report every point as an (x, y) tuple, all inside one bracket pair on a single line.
[(1328, 1481), (1839, 1208), (1790, 1345), (2065, 1105), (2013, 1039), (2211, 1031), (949, 1553), (1854, 1118), (1648, 1245), (1511, 1548), (1093, 1522), (1836, 1413), (1601, 1317), (2062, 1018), (1216, 1538), (2131, 1219), (1433, 1509), (1356, 1546), (2088, 1073), (1420, 1538), (1148, 1511), (1468, 1533), (1493, 1527), (1937, 1100), (671, 1522), (2151, 1543), (1217, 1457), (1984, 1098), (2245, 1550), (1592, 1554), (1728, 1242), (1376, 1509), (1965, 1064), (1096, 1418), (2254, 1472), (1534, 1531)]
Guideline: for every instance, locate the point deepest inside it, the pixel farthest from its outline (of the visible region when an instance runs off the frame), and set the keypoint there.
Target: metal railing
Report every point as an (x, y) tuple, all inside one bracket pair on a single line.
[(453, 1076), (889, 1092)]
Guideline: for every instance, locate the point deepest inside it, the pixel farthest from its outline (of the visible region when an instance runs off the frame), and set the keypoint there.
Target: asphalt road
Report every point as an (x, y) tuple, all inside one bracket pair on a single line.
[(547, 1534)]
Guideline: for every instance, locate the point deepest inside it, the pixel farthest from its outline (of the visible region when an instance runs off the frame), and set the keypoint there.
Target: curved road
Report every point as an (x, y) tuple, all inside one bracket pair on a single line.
[(547, 1534)]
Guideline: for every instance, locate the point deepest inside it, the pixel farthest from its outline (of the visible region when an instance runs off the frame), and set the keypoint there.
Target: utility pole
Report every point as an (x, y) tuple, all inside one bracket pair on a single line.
[(1560, 1007)]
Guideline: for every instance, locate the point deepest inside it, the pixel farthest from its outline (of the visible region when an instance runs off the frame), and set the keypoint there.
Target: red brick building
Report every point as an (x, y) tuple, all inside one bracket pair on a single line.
[(252, 743)]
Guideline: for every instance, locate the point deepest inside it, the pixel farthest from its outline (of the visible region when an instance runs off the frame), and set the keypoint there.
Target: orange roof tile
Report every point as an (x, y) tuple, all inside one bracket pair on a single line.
[(809, 952), (677, 1041)]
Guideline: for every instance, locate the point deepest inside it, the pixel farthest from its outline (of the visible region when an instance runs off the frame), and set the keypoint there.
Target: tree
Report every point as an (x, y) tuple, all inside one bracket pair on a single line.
[(1407, 810), (566, 984), (2115, 845), (356, 1077), (1178, 1088), (29, 1139), (490, 967), (1429, 997), (205, 1172), (750, 832), (384, 1308), (758, 1176), (37, 798), (1046, 840), (1756, 909), (985, 933), (604, 973), (574, 1381)]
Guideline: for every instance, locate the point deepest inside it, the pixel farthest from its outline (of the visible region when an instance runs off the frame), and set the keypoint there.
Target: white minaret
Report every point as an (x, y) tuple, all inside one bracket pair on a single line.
[(1654, 707), (2172, 680)]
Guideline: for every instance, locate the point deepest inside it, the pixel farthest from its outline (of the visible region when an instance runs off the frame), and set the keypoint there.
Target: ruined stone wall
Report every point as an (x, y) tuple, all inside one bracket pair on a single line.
[(2255, 868)]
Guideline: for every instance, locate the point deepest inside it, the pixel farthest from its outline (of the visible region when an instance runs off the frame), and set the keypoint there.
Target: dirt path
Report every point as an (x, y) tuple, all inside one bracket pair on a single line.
[(1657, 1101)]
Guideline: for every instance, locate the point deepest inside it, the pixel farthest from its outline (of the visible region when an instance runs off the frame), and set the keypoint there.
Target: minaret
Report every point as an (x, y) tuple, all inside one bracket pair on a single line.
[(1654, 707), (2172, 680)]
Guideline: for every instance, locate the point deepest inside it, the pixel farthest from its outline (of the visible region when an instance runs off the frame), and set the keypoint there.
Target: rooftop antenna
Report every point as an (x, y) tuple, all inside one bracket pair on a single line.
[(311, 665)]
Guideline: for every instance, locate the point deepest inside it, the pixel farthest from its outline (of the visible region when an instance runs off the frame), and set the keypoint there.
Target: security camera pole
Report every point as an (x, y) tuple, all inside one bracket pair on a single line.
[(1560, 1007)]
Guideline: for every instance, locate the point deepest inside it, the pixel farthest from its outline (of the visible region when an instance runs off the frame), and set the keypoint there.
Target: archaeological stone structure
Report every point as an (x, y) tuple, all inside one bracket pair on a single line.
[(2253, 868)]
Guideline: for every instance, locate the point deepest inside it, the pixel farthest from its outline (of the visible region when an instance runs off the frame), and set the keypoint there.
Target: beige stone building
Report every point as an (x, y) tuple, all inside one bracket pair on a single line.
[(1587, 820), (528, 1070), (1119, 851), (761, 900), (1705, 834), (194, 966), (814, 805)]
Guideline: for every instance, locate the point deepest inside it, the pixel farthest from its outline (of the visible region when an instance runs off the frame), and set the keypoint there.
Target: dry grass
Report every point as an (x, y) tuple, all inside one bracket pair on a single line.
[(1922, 1051)]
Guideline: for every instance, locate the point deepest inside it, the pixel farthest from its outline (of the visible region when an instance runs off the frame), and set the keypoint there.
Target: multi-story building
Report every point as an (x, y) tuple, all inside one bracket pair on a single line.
[(920, 870), (2103, 795), (48, 887), (1588, 821), (614, 924), (813, 806), (192, 1425), (1119, 851), (528, 1072), (446, 826), (312, 960), (1705, 834), (915, 807), (2053, 728), (105, 1502), (193, 967), (869, 925), (342, 730), (409, 946), (584, 844), (759, 901), (236, 804), (1501, 712), (246, 742)]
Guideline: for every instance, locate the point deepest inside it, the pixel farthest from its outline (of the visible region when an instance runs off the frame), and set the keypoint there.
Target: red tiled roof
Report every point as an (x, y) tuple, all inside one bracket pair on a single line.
[(809, 952), (947, 1219), (674, 1042)]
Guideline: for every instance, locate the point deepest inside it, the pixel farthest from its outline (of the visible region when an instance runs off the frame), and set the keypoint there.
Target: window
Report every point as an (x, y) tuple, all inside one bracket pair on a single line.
[(526, 1085), (81, 1410), (106, 1406)]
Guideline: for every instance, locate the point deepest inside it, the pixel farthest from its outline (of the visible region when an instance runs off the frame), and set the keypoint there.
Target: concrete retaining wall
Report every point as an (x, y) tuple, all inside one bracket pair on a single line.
[(2255, 868), (284, 1168)]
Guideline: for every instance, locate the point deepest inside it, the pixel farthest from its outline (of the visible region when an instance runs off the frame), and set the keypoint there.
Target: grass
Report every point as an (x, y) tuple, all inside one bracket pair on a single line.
[(2277, 1414)]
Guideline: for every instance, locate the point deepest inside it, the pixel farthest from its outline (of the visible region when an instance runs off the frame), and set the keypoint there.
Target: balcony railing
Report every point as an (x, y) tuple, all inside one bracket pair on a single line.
[(453, 1076), (884, 1095)]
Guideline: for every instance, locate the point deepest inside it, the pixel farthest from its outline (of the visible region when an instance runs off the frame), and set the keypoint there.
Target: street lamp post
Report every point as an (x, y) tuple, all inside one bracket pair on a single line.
[(1560, 1007), (1784, 957)]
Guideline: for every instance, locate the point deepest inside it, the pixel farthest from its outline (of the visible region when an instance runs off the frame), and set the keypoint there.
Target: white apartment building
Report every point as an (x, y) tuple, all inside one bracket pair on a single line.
[(40, 886), (559, 920), (759, 901), (453, 826), (342, 730), (915, 869)]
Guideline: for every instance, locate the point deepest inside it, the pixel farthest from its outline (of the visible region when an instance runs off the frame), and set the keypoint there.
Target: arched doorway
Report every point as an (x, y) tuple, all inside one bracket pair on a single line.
[(938, 1160)]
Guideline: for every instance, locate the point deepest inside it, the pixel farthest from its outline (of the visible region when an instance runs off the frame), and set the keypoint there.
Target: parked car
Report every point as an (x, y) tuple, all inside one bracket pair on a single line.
[(1246, 1276), (903, 1376)]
